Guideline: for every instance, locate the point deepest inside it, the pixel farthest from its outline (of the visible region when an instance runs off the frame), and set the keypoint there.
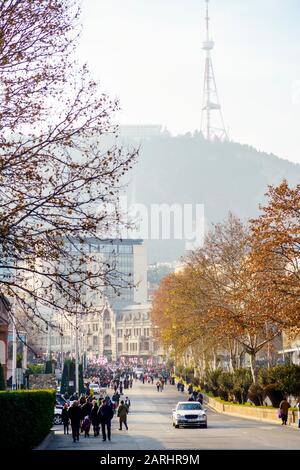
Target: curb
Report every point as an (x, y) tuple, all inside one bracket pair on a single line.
[(44, 444)]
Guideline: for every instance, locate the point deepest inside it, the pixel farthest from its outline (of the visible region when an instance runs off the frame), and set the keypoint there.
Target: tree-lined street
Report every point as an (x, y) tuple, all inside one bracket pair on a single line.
[(150, 427)]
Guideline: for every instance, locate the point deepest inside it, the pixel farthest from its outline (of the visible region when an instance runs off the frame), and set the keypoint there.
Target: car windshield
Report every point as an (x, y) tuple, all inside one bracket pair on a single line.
[(60, 400), (189, 406)]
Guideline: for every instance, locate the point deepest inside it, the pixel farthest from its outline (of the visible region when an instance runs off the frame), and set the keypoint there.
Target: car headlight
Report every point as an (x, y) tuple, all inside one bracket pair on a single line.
[(178, 416), (203, 417)]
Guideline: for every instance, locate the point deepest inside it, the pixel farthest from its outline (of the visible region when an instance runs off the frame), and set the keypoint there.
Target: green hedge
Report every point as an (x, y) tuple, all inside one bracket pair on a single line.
[(26, 418)]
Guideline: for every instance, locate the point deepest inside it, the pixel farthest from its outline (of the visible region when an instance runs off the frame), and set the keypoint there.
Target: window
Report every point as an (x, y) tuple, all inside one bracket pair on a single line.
[(120, 347), (125, 249), (120, 333), (107, 341), (95, 340)]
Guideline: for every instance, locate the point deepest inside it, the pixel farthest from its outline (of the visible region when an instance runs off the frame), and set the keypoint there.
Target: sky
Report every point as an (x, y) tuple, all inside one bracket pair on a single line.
[(148, 53)]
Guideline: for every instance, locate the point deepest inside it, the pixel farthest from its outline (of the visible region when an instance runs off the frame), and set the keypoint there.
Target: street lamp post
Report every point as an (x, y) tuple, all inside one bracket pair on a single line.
[(76, 357), (14, 356)]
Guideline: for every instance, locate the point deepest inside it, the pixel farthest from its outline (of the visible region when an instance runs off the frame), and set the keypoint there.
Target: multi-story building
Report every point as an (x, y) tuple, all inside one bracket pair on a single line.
[(136, 335), (120, 325), (96, 335)]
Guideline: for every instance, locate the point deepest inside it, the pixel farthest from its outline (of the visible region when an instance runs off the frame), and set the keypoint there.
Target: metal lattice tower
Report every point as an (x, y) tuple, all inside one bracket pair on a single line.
[(212, 122)]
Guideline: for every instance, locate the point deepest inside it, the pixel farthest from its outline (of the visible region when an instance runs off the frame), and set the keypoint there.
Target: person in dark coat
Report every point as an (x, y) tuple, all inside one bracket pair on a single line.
[(65, 418), (75, 416), (284, 407), (86, 409), (122, 415), (106, 414), (95, 418)]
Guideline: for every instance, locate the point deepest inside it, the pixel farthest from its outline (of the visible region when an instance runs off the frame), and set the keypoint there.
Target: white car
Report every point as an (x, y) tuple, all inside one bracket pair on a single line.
[(188, 414), (95, 388), (57, 414)]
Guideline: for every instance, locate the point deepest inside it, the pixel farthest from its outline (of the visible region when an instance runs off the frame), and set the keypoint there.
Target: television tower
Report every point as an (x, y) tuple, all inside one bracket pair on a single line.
[(212, 122)]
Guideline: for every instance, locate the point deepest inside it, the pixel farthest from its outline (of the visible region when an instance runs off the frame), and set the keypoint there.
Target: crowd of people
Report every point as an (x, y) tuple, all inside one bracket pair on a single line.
[(86, 411)]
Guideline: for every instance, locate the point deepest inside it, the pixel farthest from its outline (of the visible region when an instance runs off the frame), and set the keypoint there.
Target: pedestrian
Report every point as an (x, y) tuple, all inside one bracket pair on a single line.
[(116, 399), (284, 409), (86, 425), (200, 398), (190, 389), (65, 418), (298, 408), (106, 414), (95, 418), (75, 416), (86, 409), (122, 415), (127, 403), (158, 385)]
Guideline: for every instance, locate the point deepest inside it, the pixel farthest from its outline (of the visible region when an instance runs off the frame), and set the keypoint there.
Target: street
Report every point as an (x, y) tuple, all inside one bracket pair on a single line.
[(150, 428)]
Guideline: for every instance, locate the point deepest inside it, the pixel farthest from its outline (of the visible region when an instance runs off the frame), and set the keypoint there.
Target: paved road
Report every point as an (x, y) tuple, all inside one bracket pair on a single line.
[(150, 428)]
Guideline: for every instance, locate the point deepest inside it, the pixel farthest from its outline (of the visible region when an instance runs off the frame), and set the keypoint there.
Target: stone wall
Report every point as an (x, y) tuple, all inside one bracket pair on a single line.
[(42, 381)]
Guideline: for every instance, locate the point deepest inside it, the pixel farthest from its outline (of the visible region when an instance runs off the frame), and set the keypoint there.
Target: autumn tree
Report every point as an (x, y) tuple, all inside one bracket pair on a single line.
[(221, 294), (275, 236), (58, 184)]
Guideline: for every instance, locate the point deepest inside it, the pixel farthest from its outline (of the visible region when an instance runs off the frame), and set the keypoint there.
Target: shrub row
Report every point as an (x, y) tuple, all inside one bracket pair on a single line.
[(238, 386), (26, 418)]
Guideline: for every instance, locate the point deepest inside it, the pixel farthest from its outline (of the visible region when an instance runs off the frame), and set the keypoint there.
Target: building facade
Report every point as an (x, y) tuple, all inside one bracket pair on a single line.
[(121, 325), (136, 335)]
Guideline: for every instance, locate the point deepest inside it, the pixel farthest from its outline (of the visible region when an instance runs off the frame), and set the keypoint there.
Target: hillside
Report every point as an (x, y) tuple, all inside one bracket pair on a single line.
[(187, 169)]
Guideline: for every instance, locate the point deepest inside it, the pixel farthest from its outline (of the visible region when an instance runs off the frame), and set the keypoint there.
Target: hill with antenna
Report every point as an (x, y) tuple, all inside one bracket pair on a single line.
[(224, 176)]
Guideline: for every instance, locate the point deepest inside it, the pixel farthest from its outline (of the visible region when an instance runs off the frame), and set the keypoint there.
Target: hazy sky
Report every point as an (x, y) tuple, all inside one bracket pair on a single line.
[(149, 54)]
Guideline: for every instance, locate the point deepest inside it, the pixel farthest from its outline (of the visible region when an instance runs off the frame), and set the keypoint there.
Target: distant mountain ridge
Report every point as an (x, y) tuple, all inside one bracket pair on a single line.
[(224, 176)]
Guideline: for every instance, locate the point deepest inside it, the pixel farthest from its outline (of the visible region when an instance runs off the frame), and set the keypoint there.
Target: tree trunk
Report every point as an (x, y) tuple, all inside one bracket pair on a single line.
[(215, 360), (232, 363), (253, 366)]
